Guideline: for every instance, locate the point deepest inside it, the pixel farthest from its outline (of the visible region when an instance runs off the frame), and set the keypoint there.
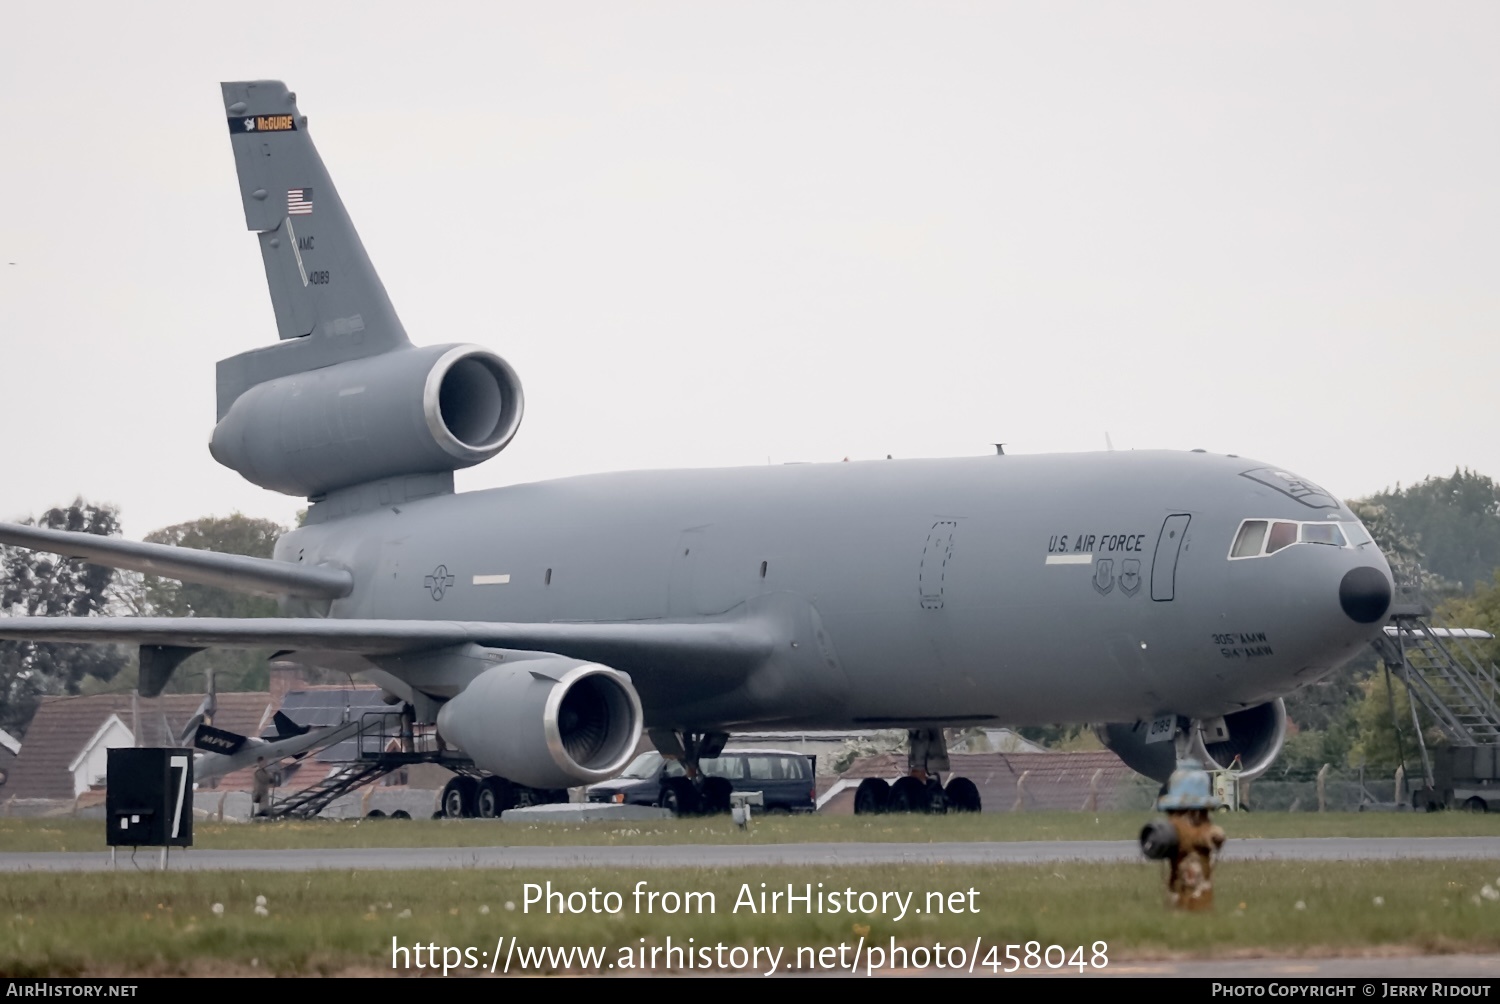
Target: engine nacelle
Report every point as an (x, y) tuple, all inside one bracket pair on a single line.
[(412, 411), (548, 722), (1256, 736)]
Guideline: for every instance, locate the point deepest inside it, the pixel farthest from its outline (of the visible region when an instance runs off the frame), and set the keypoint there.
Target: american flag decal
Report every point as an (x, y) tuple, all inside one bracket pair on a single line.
[(299, 202)]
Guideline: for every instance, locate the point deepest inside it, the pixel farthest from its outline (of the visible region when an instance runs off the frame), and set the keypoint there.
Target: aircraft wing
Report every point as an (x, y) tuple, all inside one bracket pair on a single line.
[(237, 572), (628, 646)]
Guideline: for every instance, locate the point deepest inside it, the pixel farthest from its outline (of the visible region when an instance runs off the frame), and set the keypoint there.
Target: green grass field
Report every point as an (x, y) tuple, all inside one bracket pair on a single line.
[(84, 835), (144, 923)]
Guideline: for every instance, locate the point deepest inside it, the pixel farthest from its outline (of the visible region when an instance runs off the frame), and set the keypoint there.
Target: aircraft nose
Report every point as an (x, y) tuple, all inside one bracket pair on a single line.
[(1365, 594)]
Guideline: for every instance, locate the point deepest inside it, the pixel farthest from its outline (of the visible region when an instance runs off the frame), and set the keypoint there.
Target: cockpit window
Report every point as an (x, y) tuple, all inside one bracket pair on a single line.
[(1322, 533), (1257, 538), (1251, 536), (1282, 535)]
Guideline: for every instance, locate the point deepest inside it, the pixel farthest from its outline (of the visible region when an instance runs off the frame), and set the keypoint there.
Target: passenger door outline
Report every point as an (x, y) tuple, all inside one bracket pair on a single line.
[(1164, 562), (934, 569)]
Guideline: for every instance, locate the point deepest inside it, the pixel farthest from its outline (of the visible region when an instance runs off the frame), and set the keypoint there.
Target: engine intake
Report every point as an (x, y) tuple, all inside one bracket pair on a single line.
[(411, 411), (548, 722), (1256, 736)]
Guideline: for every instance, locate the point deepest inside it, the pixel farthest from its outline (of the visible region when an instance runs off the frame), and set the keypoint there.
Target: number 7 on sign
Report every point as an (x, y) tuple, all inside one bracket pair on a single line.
[(179, 764)]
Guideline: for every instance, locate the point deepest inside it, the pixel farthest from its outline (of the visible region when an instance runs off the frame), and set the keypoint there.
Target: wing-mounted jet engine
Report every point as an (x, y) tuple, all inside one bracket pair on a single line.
[(1254, 736), (546, 721)]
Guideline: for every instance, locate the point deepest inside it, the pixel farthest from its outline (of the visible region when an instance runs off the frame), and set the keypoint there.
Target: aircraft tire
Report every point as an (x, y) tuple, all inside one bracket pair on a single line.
[(493, 796), (716, 792), (375, 814), (872, 797), (458, 798), (1476, 804), (963, 795), (909, 795), (679, 796), (400, 814)]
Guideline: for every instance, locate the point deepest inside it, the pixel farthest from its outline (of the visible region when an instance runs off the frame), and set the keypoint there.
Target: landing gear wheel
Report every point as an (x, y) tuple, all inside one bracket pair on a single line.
[(716, 792), (963, 795), (909, 795), (1476, 804), (400, 814), (872, 797), (493, 796), (375, 814), (458, 798), (679, 795)]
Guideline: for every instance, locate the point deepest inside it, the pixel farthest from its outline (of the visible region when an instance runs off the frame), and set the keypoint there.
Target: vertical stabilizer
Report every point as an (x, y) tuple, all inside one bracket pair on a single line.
[(330, 305)]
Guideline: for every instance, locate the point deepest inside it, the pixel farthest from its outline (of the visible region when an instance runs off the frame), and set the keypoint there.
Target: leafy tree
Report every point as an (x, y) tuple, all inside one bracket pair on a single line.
[(1386, 736), (1455, 521), (33, 584), (150, 595), (236, 534), (1480, 609)]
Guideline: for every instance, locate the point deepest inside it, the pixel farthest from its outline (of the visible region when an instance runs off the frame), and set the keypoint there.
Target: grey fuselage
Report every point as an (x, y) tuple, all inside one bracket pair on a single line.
[(1018, 589)]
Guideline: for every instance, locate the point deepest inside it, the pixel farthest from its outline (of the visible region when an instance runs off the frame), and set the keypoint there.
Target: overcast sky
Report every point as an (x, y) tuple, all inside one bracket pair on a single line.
[(712, 234)]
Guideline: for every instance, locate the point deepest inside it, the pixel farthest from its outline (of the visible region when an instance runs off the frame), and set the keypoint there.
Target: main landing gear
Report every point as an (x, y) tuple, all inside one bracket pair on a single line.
[(692, 794), (485, 796), (921, 790)]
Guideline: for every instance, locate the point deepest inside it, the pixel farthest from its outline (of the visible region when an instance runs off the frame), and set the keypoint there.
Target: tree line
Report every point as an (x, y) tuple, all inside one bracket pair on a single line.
[(33, 584)]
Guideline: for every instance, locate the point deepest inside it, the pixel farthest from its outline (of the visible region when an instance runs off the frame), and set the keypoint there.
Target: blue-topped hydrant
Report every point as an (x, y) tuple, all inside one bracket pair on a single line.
[(1187, 836)]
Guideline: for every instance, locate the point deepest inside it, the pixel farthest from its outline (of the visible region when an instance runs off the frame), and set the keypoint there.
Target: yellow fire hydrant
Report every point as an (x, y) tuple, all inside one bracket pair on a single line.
[(1187, 837)]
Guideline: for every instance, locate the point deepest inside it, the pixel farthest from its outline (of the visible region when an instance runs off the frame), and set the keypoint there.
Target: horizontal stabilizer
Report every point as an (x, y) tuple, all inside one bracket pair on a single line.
[(237, 572)]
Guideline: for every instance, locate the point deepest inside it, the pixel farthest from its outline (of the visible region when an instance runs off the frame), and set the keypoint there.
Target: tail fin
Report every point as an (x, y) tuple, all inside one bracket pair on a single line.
[(330, 305)]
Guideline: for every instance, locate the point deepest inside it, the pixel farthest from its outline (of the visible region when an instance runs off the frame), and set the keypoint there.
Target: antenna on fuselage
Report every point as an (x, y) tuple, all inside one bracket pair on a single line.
[(999, 449)]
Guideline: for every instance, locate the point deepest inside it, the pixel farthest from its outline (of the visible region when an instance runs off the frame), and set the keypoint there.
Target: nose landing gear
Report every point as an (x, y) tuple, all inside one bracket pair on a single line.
[(921, 790)]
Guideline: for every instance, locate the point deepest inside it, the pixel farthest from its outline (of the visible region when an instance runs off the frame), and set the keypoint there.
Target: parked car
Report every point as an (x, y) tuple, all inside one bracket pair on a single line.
[(784, 779)]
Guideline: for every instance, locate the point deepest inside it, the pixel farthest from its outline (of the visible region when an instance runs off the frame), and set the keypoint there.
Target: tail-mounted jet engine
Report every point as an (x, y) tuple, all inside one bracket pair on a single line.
[(412, 411), (1255, 736), (548, 722)]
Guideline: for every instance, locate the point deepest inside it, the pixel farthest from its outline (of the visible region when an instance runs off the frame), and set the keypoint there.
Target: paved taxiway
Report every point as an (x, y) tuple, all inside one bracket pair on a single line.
[(728, 855)]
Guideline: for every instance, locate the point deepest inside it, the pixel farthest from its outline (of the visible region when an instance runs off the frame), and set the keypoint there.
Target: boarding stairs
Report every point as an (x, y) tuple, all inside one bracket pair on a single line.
[(312, 800), (384, 742), (1443, 674)]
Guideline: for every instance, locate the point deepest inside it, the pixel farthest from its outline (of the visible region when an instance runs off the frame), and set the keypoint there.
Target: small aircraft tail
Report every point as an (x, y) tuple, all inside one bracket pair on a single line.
[(330, 304)]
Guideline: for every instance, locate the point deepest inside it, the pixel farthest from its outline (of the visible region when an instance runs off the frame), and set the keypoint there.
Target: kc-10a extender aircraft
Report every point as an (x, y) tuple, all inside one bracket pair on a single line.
[(1172, 597)]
